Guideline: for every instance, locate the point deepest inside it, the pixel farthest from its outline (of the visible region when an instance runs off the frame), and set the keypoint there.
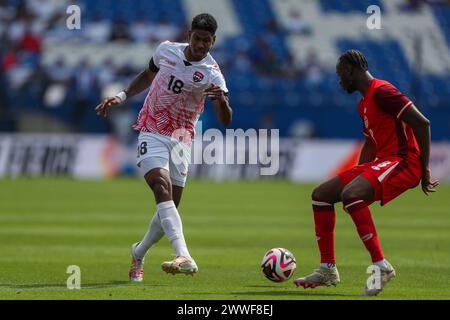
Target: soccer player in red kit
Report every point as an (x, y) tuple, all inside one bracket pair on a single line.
[(393, 159)]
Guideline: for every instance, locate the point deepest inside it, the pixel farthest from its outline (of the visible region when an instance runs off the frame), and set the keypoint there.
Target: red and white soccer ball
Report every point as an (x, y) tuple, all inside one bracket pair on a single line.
[(278, 264)]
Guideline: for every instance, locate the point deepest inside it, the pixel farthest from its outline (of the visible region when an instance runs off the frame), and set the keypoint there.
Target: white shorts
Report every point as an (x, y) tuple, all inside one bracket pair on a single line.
[(158, 151)]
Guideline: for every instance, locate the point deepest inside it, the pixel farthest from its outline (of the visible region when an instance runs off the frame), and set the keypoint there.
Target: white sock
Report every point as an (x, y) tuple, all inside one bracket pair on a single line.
[(172, 226), (154, 234), (382, 264), (330, 266)]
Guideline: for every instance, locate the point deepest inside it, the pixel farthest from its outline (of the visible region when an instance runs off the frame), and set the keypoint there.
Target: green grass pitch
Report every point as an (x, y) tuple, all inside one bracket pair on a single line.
[(48, 224)]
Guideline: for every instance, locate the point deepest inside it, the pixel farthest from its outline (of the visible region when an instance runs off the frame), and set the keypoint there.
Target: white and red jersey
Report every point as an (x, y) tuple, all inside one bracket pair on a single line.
[(175, 99)]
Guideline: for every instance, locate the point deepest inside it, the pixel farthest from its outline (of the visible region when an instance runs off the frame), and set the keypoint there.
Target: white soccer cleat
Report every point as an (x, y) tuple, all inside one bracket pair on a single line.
[(385, 274), (180, 265), (136, 272), (320, 277)]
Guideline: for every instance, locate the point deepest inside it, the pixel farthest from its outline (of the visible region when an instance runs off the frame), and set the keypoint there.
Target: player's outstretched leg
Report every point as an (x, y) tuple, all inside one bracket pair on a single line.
[(136, 272), (160, 182), (382, 273), (139, 249), (323, 198), (356, 197), (172, 225)]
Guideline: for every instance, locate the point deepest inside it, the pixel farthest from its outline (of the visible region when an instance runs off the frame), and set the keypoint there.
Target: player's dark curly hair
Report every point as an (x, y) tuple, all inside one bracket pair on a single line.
[(204, 21), (355, 58)]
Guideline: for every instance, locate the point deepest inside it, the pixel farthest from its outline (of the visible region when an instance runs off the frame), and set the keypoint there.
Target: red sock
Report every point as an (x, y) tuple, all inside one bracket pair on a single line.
[(360, 213), (325, 220)]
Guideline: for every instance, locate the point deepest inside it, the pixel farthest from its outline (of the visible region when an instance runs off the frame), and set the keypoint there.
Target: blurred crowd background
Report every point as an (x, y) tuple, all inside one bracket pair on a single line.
[(278, 57)]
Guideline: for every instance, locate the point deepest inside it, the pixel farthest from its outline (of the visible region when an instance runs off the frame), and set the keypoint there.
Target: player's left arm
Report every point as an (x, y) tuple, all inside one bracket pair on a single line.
[(217, 92), (392, 101), (221, 104), (421, 128)]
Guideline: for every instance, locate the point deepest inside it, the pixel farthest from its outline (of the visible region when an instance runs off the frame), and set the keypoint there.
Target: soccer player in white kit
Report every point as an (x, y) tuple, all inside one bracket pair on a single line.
[(180, 76)]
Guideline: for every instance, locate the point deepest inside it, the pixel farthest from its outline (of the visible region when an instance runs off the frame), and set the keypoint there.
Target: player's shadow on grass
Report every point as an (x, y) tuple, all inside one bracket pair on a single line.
[(277, 291), (64, 286), (33, 286), (120, 283), (291, 293)]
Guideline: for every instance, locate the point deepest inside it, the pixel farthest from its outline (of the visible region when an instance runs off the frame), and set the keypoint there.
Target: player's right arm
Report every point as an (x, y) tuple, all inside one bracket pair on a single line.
[(368, 151), (141, 82)]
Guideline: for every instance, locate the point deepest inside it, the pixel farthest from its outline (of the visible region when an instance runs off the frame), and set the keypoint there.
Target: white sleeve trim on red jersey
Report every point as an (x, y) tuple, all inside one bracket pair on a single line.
[(403, 109)]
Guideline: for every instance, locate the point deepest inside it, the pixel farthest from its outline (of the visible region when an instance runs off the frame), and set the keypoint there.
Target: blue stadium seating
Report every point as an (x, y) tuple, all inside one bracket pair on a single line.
[(130, 10), (253, 96), (386, 60), (255, 16), (442, 14), (347, 6)]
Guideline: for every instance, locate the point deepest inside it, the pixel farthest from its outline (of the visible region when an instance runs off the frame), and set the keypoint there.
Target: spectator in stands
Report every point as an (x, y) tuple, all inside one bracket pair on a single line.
[(267, 121), (84, 84), (295, 24), (10, 58), (16, 70), (290, 69), (59, 72), (242, 62), (264, 57), (36, 84), (302, 128), (106, 73), (119, 121), (164, 30), (30, 42), (273, 27), (125, 73), (2, 76), (7, 12), (417, 5), (412, 5), (97, 30), (16, 29), (140, 29), (183, 33), (120, 31), (6, 120), (313, 70), (22, 22), (46, 10), (21, 12)]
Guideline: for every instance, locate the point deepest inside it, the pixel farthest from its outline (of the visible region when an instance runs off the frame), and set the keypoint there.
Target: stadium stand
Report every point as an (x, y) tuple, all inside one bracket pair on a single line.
[(278, 58), (348, 6)]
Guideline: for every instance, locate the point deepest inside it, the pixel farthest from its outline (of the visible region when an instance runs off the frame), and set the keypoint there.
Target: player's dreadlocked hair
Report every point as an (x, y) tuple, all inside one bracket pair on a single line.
[(206, 22), (355, 58)]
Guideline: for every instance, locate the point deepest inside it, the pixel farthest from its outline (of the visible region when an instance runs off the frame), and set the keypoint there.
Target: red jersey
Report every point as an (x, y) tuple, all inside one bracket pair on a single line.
[(380, 110)]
